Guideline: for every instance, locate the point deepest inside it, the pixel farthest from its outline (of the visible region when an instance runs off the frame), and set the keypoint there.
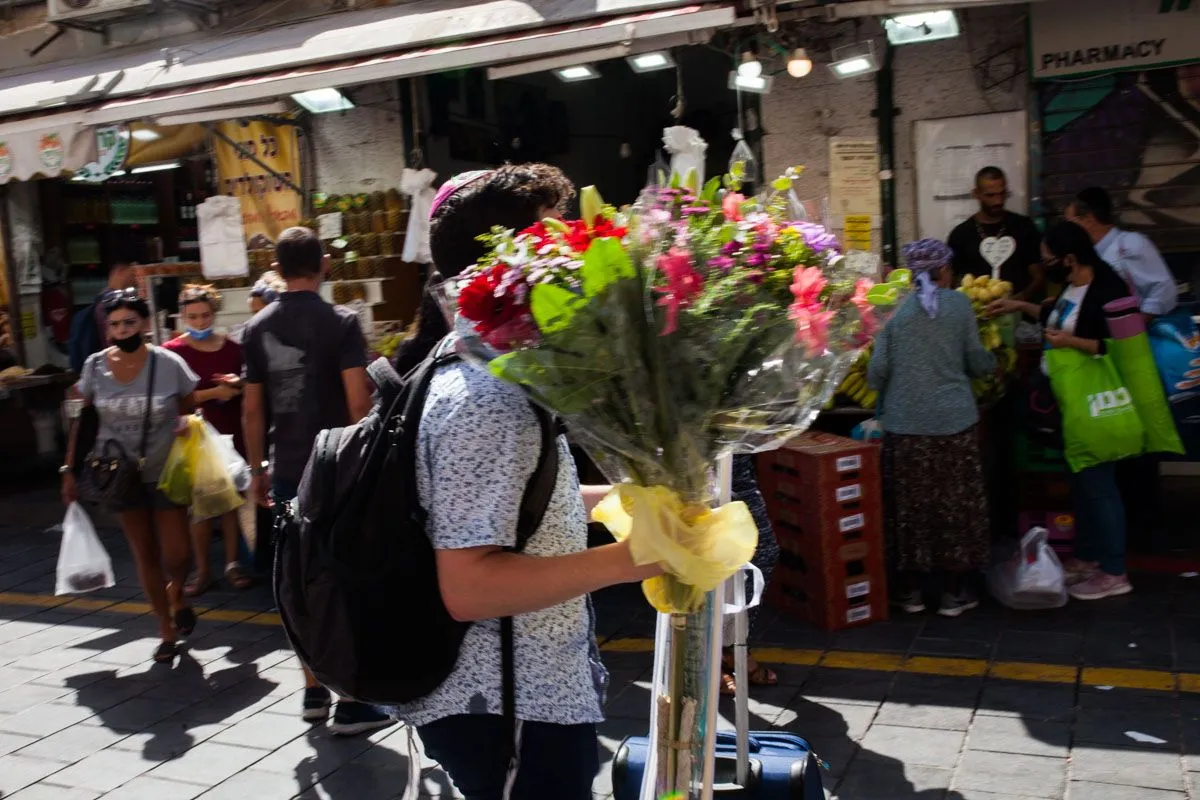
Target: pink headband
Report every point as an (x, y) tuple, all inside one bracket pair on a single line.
[(451, 187)]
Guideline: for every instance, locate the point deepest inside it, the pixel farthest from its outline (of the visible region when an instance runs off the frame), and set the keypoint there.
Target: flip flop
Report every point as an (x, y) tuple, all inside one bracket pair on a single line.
[(185, 621), (239, 578), (196, 588), (166, 653)]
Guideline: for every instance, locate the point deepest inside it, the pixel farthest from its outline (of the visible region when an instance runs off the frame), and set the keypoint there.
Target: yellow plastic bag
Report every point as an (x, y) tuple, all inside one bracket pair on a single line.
[(176, 479), (213, 492), (697, 546)]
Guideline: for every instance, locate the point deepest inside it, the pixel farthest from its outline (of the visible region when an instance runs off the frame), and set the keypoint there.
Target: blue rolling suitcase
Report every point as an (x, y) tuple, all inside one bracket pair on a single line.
[(782, 767)]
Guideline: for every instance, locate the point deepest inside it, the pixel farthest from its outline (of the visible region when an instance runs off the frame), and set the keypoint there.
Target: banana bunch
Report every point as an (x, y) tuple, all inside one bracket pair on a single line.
[(983, 290), (854, 387), (388, 344)]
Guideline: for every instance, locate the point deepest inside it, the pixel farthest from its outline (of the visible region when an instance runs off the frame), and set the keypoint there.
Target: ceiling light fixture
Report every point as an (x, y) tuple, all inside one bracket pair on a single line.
[(650, 62), (759, 84), (750, 67), (853, 60), (928, 26), (155, 167), (799, 65), (577, 73), (323, 101)]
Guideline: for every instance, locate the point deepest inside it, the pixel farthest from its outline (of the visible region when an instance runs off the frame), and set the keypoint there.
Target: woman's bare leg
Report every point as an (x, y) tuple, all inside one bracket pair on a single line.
[(174, 543), (138, 527), (201, 540)]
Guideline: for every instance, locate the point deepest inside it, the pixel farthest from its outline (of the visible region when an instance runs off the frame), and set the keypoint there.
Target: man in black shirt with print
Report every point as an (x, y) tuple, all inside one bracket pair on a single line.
[(996, 242), (306, 370)]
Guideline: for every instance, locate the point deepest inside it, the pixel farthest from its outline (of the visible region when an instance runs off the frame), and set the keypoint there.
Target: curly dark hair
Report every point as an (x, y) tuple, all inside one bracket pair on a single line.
[(512, 196)]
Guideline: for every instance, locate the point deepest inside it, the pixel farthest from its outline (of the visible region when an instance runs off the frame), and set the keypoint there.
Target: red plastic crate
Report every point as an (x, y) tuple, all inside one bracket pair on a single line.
[(824, 497)]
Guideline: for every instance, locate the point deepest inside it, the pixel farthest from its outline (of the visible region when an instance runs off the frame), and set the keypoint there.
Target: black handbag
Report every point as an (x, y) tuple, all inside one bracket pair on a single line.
[(1045, 417), (108, 476)]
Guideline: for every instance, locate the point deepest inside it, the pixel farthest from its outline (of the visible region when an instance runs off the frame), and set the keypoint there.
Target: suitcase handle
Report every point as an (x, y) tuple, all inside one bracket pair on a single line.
[(729, 739), (725, 777)]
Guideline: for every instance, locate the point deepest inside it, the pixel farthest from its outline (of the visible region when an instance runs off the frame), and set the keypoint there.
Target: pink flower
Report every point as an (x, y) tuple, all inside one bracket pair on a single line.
[(683, 284), (807, 285), (812, 327), (866, 312), (732, 206)]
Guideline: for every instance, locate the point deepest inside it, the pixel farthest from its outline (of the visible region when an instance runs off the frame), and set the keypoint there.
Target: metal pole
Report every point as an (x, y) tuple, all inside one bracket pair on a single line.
[(885, 113)]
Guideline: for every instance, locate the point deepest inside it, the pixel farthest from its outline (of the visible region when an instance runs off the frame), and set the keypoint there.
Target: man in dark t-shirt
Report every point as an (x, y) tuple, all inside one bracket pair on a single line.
[(996, 242), (306, 369)]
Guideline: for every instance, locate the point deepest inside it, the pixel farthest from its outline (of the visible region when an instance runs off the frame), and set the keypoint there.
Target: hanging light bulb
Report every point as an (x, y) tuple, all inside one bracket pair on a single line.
[(799, 64), (750, 67)]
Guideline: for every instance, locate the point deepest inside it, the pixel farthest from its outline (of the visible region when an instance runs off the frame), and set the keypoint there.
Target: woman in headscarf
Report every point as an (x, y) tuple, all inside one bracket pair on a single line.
[(922, 366)]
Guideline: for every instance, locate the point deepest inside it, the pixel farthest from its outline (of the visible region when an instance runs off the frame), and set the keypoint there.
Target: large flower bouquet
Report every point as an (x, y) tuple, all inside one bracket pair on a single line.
[(695, 324)]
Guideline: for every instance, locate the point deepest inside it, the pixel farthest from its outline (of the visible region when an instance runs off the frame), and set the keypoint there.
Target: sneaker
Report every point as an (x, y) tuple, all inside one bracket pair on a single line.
[(316, 704), (955, 605), (353, 718), (1099, 586), (1077, 571), (911, 602)]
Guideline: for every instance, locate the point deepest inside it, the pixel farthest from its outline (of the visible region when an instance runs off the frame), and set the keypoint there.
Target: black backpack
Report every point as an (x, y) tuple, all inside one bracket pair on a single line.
[(355, 568)]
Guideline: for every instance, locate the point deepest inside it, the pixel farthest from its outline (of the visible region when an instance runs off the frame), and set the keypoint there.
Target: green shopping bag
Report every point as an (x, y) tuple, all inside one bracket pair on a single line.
[(1100, 421), (1135, 363)]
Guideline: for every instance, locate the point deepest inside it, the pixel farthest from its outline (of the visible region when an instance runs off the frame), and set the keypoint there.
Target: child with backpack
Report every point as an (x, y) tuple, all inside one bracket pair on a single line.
[(529, 729)]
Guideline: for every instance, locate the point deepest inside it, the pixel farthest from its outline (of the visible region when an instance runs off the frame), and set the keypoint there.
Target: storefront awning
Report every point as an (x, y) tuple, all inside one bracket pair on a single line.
[(45, 146), (344, 50)]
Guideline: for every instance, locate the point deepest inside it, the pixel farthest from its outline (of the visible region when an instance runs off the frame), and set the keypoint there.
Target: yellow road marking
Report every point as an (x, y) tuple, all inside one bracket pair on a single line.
[(964, 667), (1128, 678), (879, 662), (1156, 680), (1045, 673)]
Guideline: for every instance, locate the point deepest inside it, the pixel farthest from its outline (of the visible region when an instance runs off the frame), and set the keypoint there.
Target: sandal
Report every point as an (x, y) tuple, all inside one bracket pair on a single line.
[(761, 675), (166, 653), (185, 621), (239, 577), (728, 685), (196, 587)]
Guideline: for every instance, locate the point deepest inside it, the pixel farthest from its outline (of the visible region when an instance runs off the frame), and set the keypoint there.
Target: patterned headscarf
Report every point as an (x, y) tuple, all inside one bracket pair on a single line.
[(923, 257), (450, 187)]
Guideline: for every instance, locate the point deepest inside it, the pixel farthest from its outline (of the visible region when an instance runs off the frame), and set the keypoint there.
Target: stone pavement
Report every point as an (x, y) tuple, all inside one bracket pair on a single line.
[(1090, 702)]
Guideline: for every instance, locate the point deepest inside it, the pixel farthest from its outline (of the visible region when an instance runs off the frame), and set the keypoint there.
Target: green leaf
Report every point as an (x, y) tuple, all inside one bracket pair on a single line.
[(553, 307), (676, 180), (883, 294), (591, 204), (692, 180), (900, 277), (709, 195), (737, 170), (781, 184), (604, 263)]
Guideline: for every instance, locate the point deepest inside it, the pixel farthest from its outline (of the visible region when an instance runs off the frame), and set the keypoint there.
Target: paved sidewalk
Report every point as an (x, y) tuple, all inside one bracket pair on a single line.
[(1091, 702)]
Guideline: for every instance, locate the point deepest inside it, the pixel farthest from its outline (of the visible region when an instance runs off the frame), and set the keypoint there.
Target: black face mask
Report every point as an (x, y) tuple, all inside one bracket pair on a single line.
[(130, 343), (1057, 274)]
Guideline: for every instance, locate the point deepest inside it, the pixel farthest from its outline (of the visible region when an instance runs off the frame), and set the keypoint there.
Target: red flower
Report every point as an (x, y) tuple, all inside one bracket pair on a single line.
[(605, 229), (478, 302)]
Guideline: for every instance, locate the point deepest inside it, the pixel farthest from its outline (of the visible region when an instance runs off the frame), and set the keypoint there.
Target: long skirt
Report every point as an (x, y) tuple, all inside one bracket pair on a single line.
[(936, 502)]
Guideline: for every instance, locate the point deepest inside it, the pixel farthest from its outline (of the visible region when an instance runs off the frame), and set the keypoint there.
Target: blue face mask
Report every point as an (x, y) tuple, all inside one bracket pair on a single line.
[(200, 336)]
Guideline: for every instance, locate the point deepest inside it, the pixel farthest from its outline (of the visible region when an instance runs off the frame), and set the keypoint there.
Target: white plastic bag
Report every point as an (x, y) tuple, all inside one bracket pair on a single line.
[(239, 470), (83, 563), (1033, 579)]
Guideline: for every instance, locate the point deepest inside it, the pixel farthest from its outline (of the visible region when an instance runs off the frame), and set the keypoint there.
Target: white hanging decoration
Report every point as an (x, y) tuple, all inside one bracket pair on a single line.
[(418, 185), (745, 156), (687, 151), (222, 238)]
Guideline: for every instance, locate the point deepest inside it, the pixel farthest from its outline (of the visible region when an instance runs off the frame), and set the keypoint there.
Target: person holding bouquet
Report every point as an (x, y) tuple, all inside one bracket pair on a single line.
[(922, 366), (472, 494)]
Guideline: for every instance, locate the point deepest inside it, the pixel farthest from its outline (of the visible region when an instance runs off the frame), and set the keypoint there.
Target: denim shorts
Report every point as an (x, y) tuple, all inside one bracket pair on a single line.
[(150, 498)]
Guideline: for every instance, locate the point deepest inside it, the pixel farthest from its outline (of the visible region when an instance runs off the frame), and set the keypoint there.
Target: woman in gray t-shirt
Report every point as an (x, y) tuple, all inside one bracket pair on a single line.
[(114, 381)]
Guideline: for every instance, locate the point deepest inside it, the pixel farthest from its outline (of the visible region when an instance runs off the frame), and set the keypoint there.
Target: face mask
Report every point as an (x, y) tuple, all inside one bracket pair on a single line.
[(1057, 274), (200, 336), (130, 343)]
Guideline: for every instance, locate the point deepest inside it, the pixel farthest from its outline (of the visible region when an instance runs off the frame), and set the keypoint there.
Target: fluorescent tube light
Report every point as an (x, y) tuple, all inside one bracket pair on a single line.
[(928, 26), (323, 101), (155, 167), (650, 62), (577, 73), (760, 84)]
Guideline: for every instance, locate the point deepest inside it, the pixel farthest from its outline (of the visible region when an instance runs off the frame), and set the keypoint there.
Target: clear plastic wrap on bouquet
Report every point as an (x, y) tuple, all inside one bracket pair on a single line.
[(696, 324)]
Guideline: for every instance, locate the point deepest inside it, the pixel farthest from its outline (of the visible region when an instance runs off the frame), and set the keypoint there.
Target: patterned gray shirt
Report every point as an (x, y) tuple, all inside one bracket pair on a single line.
[(477, 447)]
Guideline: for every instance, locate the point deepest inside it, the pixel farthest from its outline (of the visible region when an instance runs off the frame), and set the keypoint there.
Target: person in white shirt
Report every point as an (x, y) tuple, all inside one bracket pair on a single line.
[(1131, 254)]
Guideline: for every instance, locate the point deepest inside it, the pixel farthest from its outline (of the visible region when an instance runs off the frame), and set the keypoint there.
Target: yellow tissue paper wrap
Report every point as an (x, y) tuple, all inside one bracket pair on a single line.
[(697, 546)]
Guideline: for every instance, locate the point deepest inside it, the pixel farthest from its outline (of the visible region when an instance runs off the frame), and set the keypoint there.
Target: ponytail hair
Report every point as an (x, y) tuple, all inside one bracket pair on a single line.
[(512, 196)]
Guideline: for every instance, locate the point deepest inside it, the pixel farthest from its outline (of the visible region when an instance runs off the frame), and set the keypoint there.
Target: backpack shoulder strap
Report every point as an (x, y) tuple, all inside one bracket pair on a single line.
[(541, 483), (385, 379)]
